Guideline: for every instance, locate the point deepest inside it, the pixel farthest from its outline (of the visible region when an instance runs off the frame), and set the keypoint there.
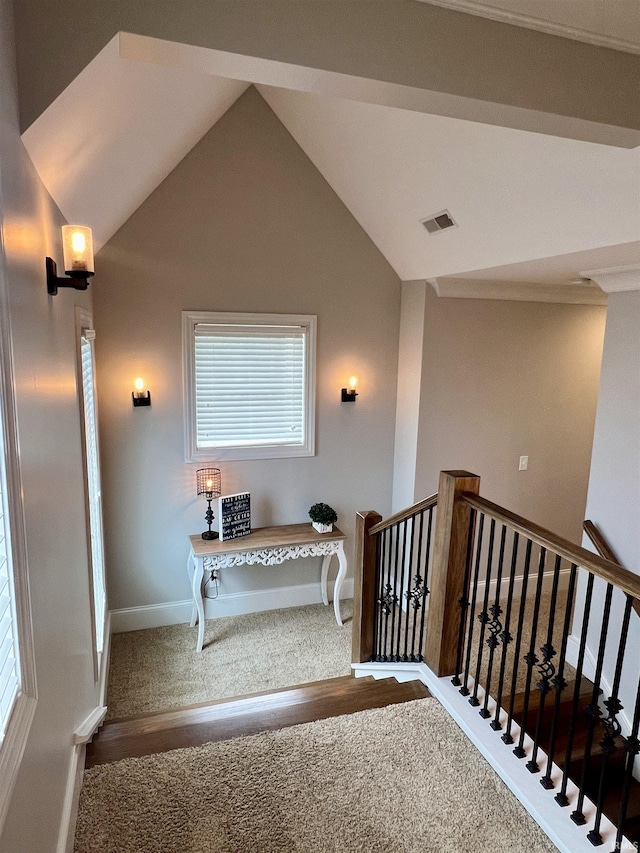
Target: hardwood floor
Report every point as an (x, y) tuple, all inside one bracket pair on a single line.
[(145, 734)]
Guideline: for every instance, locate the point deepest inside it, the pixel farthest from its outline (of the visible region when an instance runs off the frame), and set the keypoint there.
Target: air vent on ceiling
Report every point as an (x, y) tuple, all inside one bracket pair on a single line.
[(439, 222)]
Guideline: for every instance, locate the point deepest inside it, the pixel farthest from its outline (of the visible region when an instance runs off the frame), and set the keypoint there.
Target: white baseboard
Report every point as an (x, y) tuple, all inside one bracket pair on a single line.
[(71, 799), (233, 604)]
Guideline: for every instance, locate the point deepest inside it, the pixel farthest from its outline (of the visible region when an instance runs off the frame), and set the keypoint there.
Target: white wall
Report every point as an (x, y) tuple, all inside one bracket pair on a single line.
[(613, 501), (244, 223), (51, 467)]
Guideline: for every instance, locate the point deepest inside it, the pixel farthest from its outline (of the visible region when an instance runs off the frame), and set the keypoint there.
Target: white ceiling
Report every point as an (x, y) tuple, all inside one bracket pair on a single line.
[(610, 23), (518, 197)]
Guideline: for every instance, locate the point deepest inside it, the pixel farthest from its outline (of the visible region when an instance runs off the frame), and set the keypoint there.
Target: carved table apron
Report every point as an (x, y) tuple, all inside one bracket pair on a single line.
[(268, 546)]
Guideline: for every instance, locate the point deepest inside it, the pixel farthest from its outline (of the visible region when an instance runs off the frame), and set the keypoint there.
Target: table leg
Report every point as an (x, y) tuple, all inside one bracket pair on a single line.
[(336, 590), (191, 567), (196, 588), (323, 582)]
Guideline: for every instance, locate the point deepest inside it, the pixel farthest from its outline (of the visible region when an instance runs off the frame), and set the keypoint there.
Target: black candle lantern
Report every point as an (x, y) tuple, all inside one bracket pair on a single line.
[(208, 480)]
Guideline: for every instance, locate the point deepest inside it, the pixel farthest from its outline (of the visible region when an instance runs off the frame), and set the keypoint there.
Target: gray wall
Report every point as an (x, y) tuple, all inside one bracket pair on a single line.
[(244, 223), (412, 44), (43, 343), (502, 380)]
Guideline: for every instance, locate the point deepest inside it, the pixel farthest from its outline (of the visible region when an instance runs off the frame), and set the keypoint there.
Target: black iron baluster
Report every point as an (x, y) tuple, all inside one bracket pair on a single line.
[(507, 737), (416, 597), (464, 690), (592, 709), (611, 723), (632, 748), (531, 659), (495, 626), (463, 603), (427, 560), (379, 588), (417, 607), (558, 681), (483, 616), (393, 592), (387, 597), (546, 669), (505, 636), (407, 594), (399, 589), (561, 797)]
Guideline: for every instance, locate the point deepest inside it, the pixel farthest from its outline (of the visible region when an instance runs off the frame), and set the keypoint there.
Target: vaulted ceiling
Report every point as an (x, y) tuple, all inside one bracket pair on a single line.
[(530, 208)]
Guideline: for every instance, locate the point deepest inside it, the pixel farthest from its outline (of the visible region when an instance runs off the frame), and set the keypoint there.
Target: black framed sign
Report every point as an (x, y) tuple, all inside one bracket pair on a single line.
[(234, 514)]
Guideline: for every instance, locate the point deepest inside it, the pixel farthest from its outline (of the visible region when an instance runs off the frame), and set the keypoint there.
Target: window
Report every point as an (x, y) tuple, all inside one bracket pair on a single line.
[(17, 665), (89, 427), (249, 385)]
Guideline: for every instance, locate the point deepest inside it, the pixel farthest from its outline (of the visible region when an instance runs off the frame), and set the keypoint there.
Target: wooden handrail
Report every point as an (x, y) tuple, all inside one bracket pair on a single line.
[(432, 500), (609, 571), (602, 547)]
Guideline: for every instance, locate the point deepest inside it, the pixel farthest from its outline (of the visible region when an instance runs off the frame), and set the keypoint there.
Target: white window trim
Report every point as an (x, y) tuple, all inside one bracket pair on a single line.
[(15, 740), (84, 322), (189, 321)]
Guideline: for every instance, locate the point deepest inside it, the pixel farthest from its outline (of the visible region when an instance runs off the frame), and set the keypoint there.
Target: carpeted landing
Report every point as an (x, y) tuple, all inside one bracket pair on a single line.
[(400, 779), (159, 668)]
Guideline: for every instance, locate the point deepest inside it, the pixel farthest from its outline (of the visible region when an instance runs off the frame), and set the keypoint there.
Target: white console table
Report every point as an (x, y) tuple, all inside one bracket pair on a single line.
[(268, 546)]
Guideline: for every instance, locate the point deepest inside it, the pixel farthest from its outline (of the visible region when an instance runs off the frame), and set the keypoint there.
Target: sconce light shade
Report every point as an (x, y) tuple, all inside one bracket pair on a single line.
[(349, 394), (77, 249), (209, 485), (140, 397), (77, 246)]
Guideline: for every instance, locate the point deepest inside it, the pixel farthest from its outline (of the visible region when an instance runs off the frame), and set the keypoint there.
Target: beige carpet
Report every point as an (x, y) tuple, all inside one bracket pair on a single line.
[(158, 669), (402, 779)]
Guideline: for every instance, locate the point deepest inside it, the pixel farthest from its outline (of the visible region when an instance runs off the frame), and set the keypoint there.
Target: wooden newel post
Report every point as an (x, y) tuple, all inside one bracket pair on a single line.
[(447, 575), (364, 592)]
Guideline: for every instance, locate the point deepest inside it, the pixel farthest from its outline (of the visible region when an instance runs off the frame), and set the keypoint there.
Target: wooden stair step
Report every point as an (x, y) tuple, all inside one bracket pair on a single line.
[(247, 715)]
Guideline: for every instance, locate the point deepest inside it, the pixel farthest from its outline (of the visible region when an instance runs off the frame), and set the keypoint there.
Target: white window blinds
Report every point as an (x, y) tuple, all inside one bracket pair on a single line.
[(93, 484), (9, 657), (250, 386)]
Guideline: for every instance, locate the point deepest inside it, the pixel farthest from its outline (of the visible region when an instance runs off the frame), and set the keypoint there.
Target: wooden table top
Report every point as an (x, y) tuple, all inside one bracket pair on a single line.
[(264, 537)]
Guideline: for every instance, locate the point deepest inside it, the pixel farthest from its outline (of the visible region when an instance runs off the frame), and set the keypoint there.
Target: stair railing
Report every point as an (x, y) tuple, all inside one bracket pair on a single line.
[(533, 630)]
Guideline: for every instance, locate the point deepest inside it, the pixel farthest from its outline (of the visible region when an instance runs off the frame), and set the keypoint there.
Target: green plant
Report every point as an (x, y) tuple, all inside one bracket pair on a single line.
[(323, 514)]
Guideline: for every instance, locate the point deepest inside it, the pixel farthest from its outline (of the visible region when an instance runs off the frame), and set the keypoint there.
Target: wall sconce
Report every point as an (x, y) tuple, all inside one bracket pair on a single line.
[(349, 394), (77, 249), (209, 484), (140, 397)]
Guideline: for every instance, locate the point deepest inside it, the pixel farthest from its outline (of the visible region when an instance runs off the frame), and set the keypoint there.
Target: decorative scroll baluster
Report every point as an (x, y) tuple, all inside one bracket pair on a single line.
[(546, 668), (558, 681), (632, 748), (421, 606), (495, 626), (531, 659), (507, 737), (407, 592), (506, 636), (483, 616), (592, 710), (611, 723), (561, 797)]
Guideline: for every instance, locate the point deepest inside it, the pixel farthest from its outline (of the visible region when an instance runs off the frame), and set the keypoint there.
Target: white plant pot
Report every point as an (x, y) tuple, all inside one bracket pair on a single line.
[(322, 528)]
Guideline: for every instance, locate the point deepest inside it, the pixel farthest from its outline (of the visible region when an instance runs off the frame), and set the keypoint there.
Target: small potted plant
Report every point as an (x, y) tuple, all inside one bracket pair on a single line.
[(323, 517)]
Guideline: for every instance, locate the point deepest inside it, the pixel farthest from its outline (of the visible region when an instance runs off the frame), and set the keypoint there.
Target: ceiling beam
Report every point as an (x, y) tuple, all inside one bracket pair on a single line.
[(423, 56)]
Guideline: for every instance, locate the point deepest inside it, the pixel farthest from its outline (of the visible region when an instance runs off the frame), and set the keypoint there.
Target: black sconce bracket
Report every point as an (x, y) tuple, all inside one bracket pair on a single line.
[(349, 395), (77, 280), (145, 400)]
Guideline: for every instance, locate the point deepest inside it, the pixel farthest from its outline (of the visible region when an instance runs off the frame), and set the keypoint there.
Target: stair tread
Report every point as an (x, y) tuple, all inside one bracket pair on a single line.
[(244, 716)]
